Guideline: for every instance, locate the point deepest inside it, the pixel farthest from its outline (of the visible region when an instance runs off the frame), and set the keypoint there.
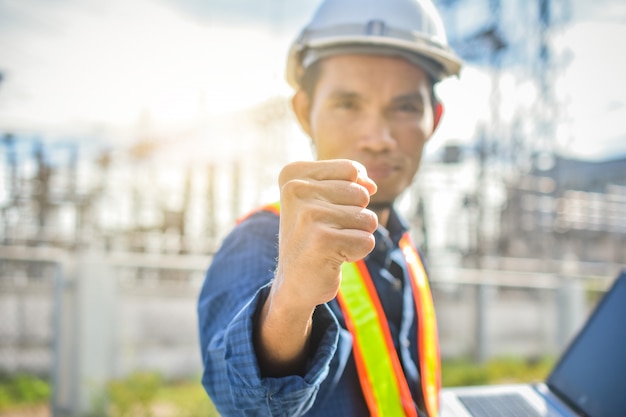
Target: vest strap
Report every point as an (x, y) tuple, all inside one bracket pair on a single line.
[(382, 380), (427, 334)]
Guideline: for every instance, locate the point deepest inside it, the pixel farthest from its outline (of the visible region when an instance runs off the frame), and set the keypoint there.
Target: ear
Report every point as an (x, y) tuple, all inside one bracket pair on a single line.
[(437, 114), (301, 105)]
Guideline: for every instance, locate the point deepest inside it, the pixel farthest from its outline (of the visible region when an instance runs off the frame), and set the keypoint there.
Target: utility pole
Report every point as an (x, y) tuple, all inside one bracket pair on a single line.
[(211, 226)]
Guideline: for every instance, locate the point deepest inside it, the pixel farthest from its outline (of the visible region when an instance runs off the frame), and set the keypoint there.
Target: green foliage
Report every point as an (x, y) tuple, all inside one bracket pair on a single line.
[(146, 394), (496, 371), (189, 399), (133, 396), (23, 389)]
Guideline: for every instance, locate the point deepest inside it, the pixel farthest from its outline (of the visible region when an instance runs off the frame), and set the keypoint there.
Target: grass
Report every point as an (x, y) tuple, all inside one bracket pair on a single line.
[(141, 394), (187, 399), (146, 394), (495, 371), (22, 390)]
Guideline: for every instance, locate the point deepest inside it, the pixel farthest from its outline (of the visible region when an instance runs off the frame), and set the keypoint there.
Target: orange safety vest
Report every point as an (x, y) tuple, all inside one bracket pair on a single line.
[(382, 380)]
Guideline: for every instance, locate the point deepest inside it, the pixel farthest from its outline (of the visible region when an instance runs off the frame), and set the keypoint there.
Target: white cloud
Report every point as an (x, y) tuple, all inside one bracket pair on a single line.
[(107, 62), (86, 62), (592, 90)]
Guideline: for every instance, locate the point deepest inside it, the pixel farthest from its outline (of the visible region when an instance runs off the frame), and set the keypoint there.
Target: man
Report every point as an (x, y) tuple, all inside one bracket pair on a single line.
[(319, 305)]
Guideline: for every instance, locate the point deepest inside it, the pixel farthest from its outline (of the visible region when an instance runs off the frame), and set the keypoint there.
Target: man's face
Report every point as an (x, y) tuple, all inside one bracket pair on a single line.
[(375, 110)]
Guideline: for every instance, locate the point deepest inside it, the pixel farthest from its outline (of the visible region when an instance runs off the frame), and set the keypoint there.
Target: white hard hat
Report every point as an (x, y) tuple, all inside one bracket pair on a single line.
[(408, 28)]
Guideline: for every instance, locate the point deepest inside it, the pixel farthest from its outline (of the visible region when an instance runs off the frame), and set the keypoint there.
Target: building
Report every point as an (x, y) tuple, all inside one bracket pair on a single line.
[(567, 208)]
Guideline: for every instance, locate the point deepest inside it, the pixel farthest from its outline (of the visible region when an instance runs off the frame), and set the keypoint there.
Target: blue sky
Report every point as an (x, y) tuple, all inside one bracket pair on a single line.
[(88, 65)]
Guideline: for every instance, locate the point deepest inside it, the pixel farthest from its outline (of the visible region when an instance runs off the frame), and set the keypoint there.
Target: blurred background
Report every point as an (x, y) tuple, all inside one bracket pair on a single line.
[(134, 134)]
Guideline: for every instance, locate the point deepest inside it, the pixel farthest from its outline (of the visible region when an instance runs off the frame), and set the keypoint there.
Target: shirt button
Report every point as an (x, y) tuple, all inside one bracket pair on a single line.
[(406, 343)]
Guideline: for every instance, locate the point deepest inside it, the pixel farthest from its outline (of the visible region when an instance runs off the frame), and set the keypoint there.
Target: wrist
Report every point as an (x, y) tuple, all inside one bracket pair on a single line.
[(283, 332), (284, 308)]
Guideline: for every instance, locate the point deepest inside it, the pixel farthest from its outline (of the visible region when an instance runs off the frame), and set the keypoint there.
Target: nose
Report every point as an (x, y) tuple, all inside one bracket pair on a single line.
[(376, 135)]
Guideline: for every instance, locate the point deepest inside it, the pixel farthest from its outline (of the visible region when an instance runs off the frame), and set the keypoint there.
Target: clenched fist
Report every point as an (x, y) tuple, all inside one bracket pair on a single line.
[(324, 222)]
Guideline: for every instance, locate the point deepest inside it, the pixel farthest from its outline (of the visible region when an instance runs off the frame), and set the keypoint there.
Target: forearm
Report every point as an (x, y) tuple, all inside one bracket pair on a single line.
[(234, 381), (283, 333), (230, 306)]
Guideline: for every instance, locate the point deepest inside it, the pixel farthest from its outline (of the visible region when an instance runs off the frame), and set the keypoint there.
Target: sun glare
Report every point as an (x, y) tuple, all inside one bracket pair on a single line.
[(107, 66), (82, 63)]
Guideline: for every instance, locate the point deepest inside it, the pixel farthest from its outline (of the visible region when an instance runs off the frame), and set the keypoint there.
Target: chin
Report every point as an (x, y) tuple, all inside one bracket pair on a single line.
[(385, 196), (376, 204)]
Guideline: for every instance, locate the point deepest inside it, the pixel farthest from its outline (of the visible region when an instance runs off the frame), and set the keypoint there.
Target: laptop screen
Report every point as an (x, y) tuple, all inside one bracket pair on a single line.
[(591, 374)]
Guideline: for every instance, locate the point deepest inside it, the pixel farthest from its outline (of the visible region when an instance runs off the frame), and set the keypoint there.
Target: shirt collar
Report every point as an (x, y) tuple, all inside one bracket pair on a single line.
[(387, 238), (396, 226)]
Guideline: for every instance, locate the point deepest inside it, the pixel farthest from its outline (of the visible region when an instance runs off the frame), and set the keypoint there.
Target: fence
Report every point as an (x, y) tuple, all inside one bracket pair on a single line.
[(487, 313), (64, 315)]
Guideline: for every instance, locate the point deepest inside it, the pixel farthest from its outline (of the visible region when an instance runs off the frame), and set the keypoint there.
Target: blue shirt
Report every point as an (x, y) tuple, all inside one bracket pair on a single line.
[(235, 289)]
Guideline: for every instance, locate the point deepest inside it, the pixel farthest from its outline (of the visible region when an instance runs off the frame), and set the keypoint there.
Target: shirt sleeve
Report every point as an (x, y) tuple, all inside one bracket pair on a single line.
[(235, 288)]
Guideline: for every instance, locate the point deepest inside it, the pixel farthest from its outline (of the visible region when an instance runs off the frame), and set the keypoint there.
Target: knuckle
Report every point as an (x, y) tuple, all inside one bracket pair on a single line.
[(360, 194), (294, 188), (310, 215), (287, 187), (289, 172), (285, 175), (350, 168), (369, 220), (360, 246), (368, 243)]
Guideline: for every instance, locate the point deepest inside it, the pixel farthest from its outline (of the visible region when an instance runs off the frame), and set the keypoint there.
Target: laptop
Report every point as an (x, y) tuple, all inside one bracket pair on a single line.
[(589, 378)]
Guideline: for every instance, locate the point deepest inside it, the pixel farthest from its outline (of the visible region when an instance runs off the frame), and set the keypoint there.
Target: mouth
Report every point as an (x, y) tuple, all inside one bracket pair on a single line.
[(381, 171)]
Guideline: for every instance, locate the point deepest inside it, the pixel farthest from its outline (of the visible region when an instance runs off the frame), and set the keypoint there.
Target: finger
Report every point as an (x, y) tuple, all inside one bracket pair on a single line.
[(333, 191), (363, 179), (351, 245), (335, 169), (340, 217), (332, 169)]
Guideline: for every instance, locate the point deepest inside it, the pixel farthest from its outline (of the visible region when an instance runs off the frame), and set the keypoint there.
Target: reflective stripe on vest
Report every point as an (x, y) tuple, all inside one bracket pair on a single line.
[(427, 335), (382, 380)]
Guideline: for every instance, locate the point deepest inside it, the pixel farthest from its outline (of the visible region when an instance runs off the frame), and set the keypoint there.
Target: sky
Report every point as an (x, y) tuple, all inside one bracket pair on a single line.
[(92, 66)]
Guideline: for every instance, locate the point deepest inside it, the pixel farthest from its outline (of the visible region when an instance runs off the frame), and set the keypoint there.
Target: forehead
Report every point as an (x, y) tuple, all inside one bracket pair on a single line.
[(372, 73)]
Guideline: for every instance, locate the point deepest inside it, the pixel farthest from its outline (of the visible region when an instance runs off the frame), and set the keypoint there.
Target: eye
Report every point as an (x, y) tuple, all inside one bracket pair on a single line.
[(408, 107), (347, 104)]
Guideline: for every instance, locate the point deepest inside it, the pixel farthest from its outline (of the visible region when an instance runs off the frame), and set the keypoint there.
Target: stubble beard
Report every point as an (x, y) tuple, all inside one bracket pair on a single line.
[(380, 206)]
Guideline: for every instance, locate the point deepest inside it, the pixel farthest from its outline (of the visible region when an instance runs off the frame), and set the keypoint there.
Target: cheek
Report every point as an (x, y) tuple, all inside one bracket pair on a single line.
[(411, 142), (411, 139), (329, 135)]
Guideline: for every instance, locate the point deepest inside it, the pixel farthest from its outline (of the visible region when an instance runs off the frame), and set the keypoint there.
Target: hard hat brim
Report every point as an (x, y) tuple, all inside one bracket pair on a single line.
[(446, 59)]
